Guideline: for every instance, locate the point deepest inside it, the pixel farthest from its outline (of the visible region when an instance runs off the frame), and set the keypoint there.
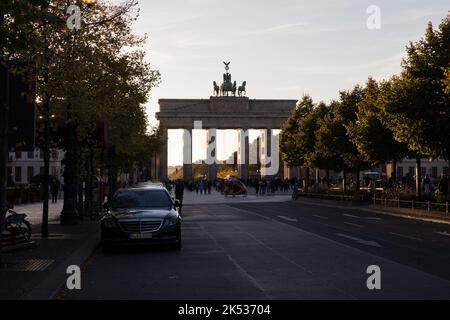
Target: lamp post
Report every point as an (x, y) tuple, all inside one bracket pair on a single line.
[(4, 113)]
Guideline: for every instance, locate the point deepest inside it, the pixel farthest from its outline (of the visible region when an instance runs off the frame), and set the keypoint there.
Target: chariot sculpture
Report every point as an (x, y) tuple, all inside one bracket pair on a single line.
[(229, 87)]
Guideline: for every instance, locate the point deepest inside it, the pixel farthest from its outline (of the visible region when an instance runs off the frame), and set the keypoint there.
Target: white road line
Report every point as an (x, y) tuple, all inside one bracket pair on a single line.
[(288, 219), (443, 233), (354, 224), (361, 241), (358, 217), (320, 217), (405, 236)]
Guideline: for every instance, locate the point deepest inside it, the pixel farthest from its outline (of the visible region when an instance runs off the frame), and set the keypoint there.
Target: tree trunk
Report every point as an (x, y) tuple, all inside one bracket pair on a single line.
[(317, 176), (358, 180), (344, 180), (328, 177), (46, 180), (394, 170), (418, 177), (89, 182), (307, 180)]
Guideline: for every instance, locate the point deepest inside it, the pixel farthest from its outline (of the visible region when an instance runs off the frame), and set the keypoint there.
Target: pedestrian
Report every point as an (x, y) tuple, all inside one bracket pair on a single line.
[(209, 186), (257, 185), (179, 193), (54, 189), (202, 186), (443, 185)]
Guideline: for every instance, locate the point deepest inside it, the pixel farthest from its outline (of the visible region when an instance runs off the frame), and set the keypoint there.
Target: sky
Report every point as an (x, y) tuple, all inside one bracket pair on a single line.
[(283, 49)]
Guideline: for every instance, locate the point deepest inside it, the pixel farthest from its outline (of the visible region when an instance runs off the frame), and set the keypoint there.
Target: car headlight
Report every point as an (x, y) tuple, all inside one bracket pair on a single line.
[(170, 222), (109, 223)]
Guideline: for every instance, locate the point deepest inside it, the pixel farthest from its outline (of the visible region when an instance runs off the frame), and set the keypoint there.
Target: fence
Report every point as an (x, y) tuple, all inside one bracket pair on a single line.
[(330, 196), (412, 205)]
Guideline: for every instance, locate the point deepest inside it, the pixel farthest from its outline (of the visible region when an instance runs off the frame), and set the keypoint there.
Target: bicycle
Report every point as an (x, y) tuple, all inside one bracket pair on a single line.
[(16, 223)]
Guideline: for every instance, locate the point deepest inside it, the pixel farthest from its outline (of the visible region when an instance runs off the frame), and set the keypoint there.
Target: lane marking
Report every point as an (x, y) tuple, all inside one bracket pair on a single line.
[(361, 241), (354, 224), (443, 233), (288, 219), (405, 236), (358, 217), (320, 217)]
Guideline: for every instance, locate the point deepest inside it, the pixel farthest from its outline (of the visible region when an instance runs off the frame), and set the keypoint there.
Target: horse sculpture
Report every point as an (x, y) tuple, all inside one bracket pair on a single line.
[(233, 88), (241, 89), (216, 88)]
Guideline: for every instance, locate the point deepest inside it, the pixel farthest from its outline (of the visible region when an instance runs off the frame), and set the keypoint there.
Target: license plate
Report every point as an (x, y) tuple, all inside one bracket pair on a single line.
[(141, 236)]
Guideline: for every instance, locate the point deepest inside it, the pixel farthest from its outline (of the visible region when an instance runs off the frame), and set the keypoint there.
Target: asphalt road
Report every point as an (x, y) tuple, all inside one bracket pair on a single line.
[(280, 250)]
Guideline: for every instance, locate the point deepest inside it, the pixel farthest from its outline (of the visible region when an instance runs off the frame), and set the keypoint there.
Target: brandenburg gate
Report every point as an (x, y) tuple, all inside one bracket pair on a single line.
[(225, 110)]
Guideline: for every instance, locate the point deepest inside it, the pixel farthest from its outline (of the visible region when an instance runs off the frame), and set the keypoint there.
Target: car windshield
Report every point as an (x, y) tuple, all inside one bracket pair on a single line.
[(142, 199)]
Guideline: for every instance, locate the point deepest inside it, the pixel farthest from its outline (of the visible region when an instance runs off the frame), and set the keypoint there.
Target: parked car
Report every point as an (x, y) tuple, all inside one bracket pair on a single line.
[(142, 215)]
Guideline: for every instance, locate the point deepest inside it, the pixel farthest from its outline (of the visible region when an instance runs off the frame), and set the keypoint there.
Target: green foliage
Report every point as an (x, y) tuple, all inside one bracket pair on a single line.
[(416, 103), (96, 74), (373, 140), (407, 115), (292, 137), (18, 20)]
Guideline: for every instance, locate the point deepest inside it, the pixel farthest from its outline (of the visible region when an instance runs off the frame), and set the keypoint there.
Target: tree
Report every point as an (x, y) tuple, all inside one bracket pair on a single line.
[(373, 140), (325, 156), (18, 18), (297, 136), (343, 116), (415, 103), (288, 135)]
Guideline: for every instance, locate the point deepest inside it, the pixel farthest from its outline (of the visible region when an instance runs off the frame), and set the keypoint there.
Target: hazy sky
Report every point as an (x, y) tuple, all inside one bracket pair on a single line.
[(283, 48)]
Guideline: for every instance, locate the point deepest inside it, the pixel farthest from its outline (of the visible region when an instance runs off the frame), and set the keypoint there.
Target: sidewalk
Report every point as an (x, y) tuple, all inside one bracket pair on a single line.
[(39, 272), (34, 211), (374, 209)]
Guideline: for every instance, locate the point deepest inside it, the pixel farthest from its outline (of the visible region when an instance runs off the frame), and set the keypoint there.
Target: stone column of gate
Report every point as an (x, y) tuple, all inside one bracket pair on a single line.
[(243, 153), (187, 154), (266, 152), (211, 154), (163, 155)]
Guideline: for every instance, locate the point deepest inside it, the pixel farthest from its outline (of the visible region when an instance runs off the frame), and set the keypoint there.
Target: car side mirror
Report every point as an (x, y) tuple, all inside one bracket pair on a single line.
[(176, 203)]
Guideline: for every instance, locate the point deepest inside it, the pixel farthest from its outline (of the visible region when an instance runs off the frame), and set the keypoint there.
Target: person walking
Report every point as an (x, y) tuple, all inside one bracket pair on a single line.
[(257, 188), (202, 186), (179, 193), (54, 190)]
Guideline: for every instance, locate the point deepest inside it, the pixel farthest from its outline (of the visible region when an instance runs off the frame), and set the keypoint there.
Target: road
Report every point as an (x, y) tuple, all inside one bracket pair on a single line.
[(278, 250)]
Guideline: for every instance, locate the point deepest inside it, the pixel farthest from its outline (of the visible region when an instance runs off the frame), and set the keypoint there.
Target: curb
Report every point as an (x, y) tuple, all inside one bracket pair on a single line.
[(52, 284)]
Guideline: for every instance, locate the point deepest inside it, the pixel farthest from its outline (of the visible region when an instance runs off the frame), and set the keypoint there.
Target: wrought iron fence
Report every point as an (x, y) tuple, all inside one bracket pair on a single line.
[(413, 205)]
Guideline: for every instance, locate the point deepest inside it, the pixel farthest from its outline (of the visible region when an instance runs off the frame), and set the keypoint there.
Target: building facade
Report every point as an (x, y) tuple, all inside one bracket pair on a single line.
[(433, 168), (22, 166)]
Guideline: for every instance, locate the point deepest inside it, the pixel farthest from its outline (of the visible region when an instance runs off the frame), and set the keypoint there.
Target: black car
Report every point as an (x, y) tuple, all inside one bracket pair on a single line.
[(144, 215)]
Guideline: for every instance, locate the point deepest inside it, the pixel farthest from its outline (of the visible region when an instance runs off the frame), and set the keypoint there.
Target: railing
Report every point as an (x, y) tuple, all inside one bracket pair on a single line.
[(413, 205), (328, 196)]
